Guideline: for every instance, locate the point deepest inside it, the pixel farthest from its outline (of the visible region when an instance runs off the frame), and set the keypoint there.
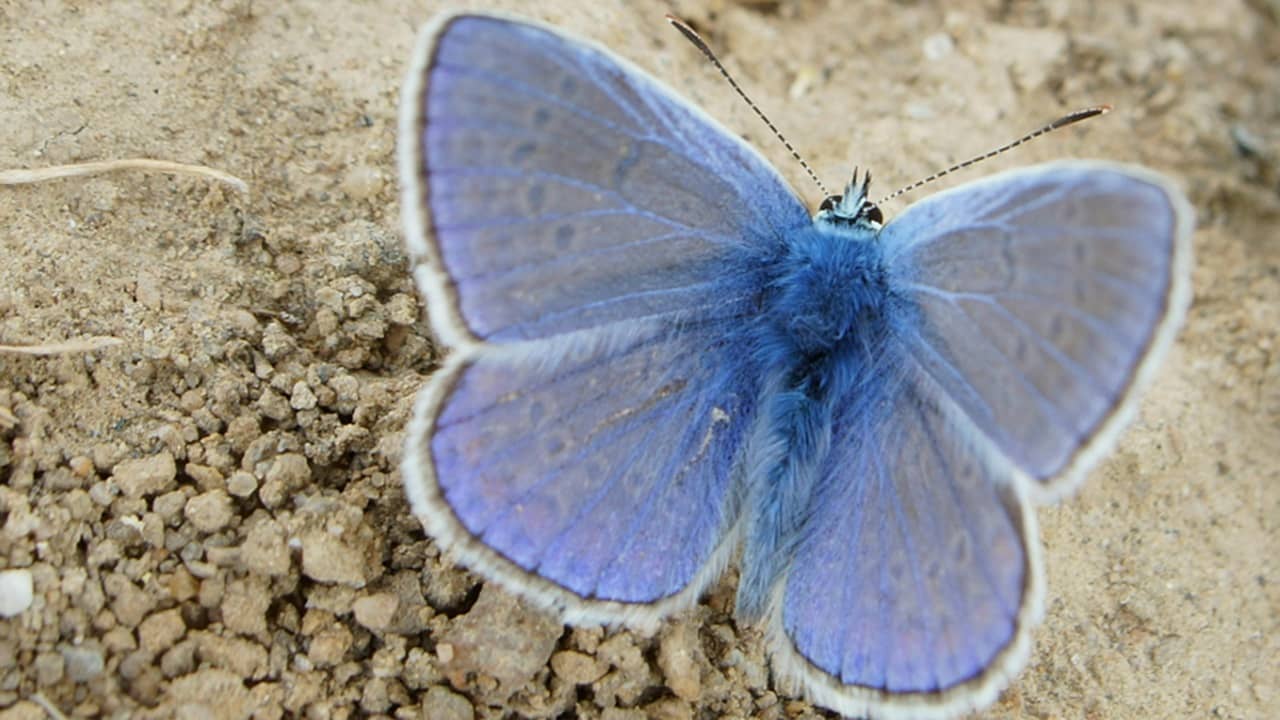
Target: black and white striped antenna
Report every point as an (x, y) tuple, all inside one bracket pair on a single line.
[(692, 36), (1070, 118)]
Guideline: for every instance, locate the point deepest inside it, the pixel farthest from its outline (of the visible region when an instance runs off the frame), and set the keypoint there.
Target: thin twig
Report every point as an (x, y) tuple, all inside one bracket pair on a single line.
[(47, 706), (63, 348), (22, 177)]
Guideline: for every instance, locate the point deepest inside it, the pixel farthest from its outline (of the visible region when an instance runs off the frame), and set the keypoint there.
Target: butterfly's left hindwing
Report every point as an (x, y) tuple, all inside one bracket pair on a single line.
[(590, 246)]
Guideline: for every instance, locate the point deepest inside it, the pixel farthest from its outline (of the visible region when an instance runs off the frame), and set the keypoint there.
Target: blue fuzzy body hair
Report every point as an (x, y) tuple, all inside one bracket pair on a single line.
[(822, 336)]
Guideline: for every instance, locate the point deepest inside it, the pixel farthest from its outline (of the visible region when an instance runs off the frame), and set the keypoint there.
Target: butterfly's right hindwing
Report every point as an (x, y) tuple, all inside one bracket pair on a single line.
[(598, 481)]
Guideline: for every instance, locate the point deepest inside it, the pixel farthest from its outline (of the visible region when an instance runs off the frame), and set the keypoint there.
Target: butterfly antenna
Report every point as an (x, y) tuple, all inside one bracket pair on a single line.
[(692, 36), (1068, 119)]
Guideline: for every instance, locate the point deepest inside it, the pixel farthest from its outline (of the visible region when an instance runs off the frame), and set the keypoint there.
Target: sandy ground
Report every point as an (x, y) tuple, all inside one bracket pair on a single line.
[(211, 513)]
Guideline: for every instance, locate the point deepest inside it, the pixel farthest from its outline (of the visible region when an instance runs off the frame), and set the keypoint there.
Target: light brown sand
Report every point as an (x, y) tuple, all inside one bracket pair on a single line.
[(272, 345)]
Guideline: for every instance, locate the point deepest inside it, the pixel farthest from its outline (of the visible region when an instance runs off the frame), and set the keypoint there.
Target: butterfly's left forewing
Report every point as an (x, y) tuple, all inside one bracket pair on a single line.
[(590, 247), (1041, 300)]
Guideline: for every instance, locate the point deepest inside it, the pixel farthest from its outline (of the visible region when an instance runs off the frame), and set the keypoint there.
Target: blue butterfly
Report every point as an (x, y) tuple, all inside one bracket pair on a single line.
[(659, 359)]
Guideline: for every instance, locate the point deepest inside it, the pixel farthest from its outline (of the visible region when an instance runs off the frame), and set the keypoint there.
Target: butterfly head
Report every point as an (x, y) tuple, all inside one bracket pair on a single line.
[(852, 209)]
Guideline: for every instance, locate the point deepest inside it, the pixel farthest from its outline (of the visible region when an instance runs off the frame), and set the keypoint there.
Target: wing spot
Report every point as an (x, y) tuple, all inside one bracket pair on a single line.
[(555, 445), (1080, 252), (897, 572), (1057, 330), (536, 197), (961, 550), (536, 412), (629, 156), (541, 116), (1080, 289), (501, 242), (523, 152), (1071, 213), (564, 236), (1021, 350)]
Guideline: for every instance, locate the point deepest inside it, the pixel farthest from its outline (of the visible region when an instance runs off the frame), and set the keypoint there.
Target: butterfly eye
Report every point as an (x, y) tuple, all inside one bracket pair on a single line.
[(874, 214), (829, 203)]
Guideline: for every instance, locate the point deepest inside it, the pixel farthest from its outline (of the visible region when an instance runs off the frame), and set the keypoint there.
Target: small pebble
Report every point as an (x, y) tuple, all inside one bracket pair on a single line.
[(210, 693), (937, 46), (501, 638), (245, 605), (49, 668), (441, 703), (246, 658), (81, 465), (130, 604), (161, 630), (265, 550), (329, 646), (242, 484), (375, 611), (288, 473), (169, 506), (330, 559), (402, 309), (211, 511), (361, 182), (678, 661), (276, 341), (16, 592), (208, 478), (84, 662), (669, 709), (577, 668), (145, 476), (302, 398), (374, 697)]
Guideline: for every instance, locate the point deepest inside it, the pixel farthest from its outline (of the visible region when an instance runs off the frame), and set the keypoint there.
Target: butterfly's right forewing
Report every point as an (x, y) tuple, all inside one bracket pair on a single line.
[(553, 188)]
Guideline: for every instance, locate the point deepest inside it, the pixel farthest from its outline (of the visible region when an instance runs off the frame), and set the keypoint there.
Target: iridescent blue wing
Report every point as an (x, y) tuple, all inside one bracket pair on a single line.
[(589, 246), (551, 187), (595, 476), (1030, 307), (1045, 296), (918, 577)]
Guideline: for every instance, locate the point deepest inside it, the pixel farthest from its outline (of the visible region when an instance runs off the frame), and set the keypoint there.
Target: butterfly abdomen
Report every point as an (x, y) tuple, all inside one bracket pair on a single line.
[(822, 333)]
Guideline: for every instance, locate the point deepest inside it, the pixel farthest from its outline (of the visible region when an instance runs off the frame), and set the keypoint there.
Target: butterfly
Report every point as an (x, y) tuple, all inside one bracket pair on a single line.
[(659, 359)]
